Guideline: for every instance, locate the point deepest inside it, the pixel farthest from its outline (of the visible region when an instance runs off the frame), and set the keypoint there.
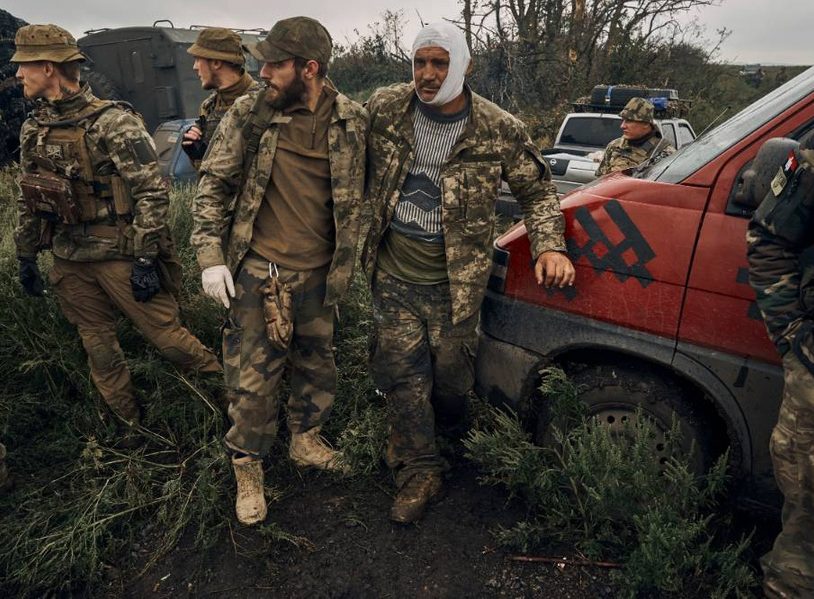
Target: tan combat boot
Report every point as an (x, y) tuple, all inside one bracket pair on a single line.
[(310, 449), (250, 504), (412, 499)]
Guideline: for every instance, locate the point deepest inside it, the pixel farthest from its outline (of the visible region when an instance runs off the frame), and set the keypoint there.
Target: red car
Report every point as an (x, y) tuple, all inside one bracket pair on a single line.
[(662, 316)]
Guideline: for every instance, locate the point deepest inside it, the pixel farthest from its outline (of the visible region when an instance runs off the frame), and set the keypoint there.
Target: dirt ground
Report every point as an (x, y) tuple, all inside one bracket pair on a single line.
[(342, 545)]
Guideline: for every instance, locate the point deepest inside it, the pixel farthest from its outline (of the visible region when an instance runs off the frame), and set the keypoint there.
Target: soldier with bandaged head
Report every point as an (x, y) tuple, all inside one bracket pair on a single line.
[(437, 152), (92, 194)]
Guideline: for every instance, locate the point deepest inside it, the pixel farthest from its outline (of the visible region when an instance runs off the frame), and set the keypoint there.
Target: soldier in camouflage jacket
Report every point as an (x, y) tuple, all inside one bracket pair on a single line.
[(436, 155), (780, 244), (276, 229), (91, 192), (641, 139), (219, 63)]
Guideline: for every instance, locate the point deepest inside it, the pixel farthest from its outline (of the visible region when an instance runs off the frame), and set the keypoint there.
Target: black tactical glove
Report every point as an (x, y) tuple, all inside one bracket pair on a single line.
[(144, 280), (195, 150), (30, 277)]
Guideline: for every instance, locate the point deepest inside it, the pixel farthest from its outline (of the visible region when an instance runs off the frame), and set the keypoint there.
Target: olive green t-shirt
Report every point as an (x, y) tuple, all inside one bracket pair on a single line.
[(295, 224)]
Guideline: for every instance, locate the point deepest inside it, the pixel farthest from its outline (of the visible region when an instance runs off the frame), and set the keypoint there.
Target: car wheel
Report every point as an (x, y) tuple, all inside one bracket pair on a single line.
[(613, 395)]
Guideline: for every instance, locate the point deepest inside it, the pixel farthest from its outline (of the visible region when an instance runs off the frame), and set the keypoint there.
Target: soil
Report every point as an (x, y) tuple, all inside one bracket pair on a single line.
[(342, 545)]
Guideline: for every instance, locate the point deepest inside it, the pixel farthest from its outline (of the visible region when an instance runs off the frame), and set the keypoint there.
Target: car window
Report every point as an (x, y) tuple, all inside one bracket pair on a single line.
[(685, 135), (669, 133), (591, 131)]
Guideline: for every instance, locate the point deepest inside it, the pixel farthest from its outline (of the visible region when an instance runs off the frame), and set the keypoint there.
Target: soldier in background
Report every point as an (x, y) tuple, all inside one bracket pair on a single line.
[(641, 139), (219, 64), (284, 175), (437, 154), (92, 193), (780, 242)]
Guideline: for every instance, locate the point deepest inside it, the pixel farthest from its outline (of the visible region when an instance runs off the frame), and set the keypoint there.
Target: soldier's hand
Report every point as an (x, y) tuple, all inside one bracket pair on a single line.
[(554, 269), (191, 135), (144, 280), (217, 283), (30, 277)]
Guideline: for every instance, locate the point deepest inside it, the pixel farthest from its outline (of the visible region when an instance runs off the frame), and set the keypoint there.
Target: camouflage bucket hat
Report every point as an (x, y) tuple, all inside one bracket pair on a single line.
[(301, 37), (45, 42), (638, 109), (218, 43)]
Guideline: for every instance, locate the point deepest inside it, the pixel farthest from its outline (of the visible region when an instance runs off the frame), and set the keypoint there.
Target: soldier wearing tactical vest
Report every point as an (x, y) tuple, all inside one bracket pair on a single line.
[(641, 139), (781, 271), (219, 64), (91, 192), (284, 180)]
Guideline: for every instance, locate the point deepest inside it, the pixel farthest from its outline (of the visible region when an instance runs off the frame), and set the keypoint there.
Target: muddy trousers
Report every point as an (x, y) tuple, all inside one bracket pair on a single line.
[(253, 367), (789, 567), (424, 365), (91, 295)]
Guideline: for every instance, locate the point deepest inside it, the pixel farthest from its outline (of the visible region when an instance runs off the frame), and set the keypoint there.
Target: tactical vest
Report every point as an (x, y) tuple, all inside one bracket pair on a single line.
[(62, 186)]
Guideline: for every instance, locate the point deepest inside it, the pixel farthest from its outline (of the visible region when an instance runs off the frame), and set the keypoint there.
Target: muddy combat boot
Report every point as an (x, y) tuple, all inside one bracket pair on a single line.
[(413, 497), (250, 504), (310, 449)]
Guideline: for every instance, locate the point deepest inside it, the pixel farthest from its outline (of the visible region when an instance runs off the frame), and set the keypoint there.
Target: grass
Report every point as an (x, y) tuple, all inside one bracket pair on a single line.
[(80, 504)]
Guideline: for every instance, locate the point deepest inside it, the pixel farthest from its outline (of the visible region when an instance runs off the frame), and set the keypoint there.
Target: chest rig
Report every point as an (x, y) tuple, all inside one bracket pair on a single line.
[(62, 185)]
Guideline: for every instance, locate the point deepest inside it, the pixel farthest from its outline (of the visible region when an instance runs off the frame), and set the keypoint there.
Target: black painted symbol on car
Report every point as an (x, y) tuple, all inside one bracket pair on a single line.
[(743, 279), (624, 259)]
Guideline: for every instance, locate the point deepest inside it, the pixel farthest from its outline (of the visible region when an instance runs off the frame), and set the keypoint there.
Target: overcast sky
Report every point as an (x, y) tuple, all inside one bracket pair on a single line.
[(765, 31)]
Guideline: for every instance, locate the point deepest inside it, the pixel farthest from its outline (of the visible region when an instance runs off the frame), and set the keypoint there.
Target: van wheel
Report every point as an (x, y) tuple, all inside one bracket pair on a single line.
[(613, 393)]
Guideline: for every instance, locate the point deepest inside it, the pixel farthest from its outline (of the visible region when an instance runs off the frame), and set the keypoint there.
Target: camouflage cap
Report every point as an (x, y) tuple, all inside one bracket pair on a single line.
[(638, 109), (218, 43), (301, 37), (45, 42)]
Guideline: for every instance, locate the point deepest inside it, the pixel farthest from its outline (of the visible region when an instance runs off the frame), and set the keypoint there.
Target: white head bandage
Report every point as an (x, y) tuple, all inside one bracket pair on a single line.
[(450, 38)]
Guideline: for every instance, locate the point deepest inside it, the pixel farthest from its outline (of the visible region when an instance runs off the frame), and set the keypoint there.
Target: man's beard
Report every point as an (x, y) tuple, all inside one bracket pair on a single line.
[(289, 96)]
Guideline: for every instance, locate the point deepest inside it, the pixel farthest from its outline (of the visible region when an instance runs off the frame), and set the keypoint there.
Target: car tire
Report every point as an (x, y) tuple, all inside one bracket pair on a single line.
[(613, 393)]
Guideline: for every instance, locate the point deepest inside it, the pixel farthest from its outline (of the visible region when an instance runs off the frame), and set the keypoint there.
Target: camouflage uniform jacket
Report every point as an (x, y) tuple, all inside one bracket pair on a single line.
[(493, 146), (117, 144), (223, 206), (215, 106), (621, 154), (781, 253)]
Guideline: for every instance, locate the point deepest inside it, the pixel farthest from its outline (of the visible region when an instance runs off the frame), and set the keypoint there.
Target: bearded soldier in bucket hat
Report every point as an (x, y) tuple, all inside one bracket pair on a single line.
[(641, 139), (91, 193), (219, 63), (284, 178)]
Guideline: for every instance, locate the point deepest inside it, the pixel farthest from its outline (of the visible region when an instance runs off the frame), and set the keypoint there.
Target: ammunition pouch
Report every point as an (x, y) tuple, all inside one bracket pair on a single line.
[(51, 198), (277, 310)]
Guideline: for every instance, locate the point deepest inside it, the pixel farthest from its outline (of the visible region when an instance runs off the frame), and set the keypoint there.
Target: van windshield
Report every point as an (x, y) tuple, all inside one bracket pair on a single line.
[(682, 164)]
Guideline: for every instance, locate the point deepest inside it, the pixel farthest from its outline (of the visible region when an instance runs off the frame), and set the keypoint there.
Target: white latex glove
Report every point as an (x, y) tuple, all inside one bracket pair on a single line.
[(217, 283)]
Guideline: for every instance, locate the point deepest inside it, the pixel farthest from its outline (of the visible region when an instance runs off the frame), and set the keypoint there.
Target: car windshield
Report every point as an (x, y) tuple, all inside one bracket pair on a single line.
[(594, 131), (711, 144)]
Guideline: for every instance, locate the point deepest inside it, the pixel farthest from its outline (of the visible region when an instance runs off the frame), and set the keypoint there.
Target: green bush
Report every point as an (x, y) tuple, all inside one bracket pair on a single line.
[(607, 495)]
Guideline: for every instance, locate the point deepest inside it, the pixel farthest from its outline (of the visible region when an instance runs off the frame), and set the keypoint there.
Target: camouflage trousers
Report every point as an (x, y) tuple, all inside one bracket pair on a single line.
[(91, 295), (253, 367), (423, 364), (789, 567)]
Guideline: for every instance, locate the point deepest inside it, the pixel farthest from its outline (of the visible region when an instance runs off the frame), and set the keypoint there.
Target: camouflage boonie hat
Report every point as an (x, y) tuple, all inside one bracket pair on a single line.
[(218, 43), (301, 37), (638, 109), (45, 42)]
